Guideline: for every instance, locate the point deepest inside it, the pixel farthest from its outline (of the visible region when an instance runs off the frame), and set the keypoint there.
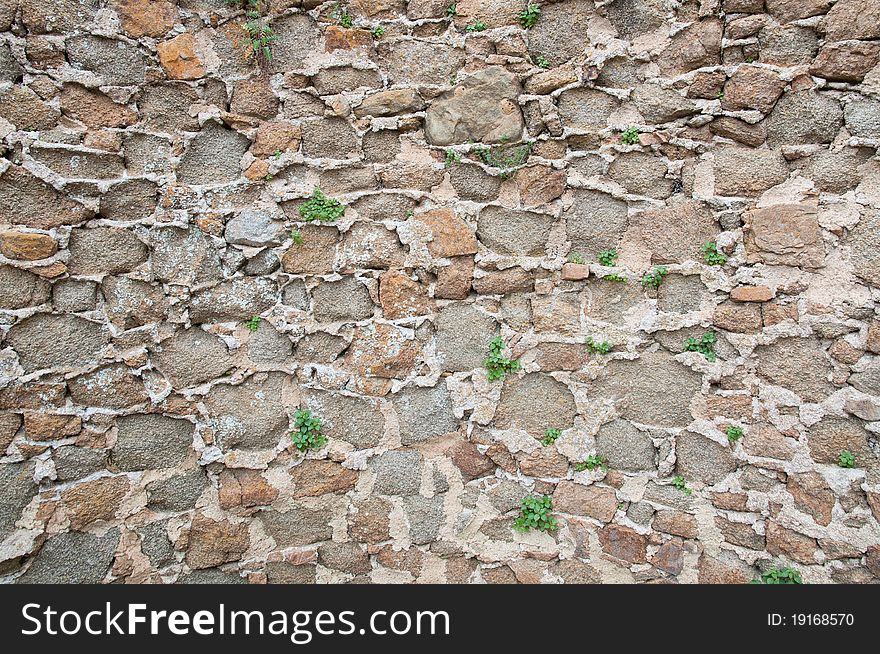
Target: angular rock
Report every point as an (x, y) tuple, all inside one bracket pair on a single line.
[(623, 447), (463, 335), (594, 501), (354, 420), (191, 357), (60, 342), (72, 558), (785, 234), (148, 441), (237, 300), (701, 459), (252, 415), (424, 413), (215, 542)]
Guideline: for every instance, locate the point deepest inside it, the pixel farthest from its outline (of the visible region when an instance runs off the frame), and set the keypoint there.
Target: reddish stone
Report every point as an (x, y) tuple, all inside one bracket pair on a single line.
[(677, 523), (624, 543), (451, 236), (470, 461), (593, 501), (27, 246), (402, 297), (180, 59), (670, 557), (314, 477), (575, 271), (751, 294), (95, 500), (783, 541)]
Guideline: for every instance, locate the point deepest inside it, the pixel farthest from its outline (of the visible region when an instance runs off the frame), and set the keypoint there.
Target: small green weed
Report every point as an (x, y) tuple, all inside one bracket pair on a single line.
[(378, 32), (261, 37), (452, 10), (476, 26), (679, 482), (342, 16), (615, 278), (608, 257), (779, 576), (734, 433), (598, 348), (307, 434), (536, 514), (506, 157), (711, 255), (550, 436), (321, 208), (254, 323), (497, 364), (705, 346), (655, 277), (846, 459), (452, 157), (630, 136), (297, 237), (529, 16), (591, 463), (277, 153), (541, 62), (577, 258)]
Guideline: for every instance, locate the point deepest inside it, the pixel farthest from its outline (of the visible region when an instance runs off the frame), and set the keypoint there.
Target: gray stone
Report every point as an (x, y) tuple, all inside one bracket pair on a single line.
[(635, 387), (298, 526), (804, 117), (667, 495), (53, 341), (425, 517), (320, 347), (177, 493), (191, 357), (298, 38), (165, 107), (701, 459), (133, 199), (559, 35), (368, 245), (20, 289), (237, 300), (105, 251), (788, 45), (517, 233), (268, 345), (507, 496), (355, 420), (867, 380), (329, 139), (146, 154), (212, 156), (382, 146), (681, 294), (339, 79), (345, 300), (148, 441), (463, 335), (156, 544), (398, 472), (28, 200), (658, 105), (584, 108), (79, 164), (643, 174), (625, 448), (250, 415), (424, 413), (115, 62), (72, 296), (72, 558), (10, 71), (281, 572), (799, 364), (632, 18), (263, 263), (534, 403), (110, 387), (295, 295), (748, 172), (863, 118), (211, 576), (347, 557), (255, 228), (131, 303), (837, 171), (472, 183), (183, 256), (17, 481), (421, 62), (73, 463), (594, 222), (483, 107)]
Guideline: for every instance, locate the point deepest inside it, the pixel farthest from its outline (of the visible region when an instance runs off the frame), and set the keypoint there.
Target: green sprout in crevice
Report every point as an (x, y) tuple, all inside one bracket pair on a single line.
[(542, 62), (711, 255), (779, 576), (630, 136), (341, 15), (508, 158), (608, 257), (452, 10), (476, 26), (591, 463), (297, 237), (254, 323), (705, 345), (846, 459), (615, 278), (529, 16), (307, 431), (260, 36), (654, 278), (596, 347), (734, 433), (577, 258), (452, 157), (378, 32), (321, 208), (679, 482), (536, 513), (496, 363), (551, 434)]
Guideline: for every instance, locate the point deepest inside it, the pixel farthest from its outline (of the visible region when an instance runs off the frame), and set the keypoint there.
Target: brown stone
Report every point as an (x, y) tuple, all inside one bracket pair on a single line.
[(408, 560), (316, 477), (624, 543), (50, 427), (253, 488), (766, 441), (740, 533), (27, 246), (846, 62), (340, 38), (94, 500), (842, 351), (873, 342), (383, 350), (560, 313), (784, 541), (254, 97), (561, 356), (739, 130), (180, 59), (403, 297), (501, 282), (451, 236), (751, 87), (784, 234), (369, 521), (594, 501), (544, 462), (872, 560), (468, 459), (539, 185), (139, 18), (276, 136), (215, 542), (93, 108), (731, 501), (454, 281), (737, 318), (316, 255), (670, 557), (677, 523), (575, 272), (812, 496), (723, 570), (751, 294), (831, 436), (675, 234), (835, 549), (775, 313), (728, 406), (853, 19)]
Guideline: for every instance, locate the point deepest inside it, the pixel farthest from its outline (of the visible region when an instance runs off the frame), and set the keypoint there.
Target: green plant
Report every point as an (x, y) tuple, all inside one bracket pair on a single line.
[(277, 154), (529, 16), (254, 323), (307, 431), (452, 157), (630, 136), (615, 278), (550, 436), (719, 95), (734, 433), (577, 257), (476, 26), (711, 255), (655, 277), (378, 32), (598, 348), (342, 16), (779, 576), (496, 363), (506, 157), (297, 237), (608, 257), (541, 62), (846, 459), (591, 463), (705, 346), (679, 482), (269, 177), (321, 208), (536, 514), (260, 35), (452, 10)]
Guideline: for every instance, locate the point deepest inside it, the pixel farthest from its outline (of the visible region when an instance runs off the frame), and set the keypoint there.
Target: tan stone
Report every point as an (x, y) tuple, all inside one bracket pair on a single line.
[(93, 108), (370, 520), (315, 477), (451, 236), (469, 461), (94, 500), (180, 58), (27, 246), (544, 462), (784, 234), (737, 318), (145, 17), (454, 281), (775, 313), (784, 541), (501, 282), (402, 297), (257, 171), (853, 19), (766, 441), (255, 490), (624, 543), (560, 313), (873, 342), (276, 137), (49, 427), (215, 542), (812, 496), (390, 102), (677, 523), (751, 294), (721, 571), (383, 350), (842, 351), (575, 272), (540, 184), (730, 501), (751, 87), (594, 501), (339, 38), (407, 560), (317, 253), (549, 80)]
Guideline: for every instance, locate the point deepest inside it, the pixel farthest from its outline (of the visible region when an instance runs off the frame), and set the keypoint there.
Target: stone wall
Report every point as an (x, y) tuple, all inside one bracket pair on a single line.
[(151, 182)]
